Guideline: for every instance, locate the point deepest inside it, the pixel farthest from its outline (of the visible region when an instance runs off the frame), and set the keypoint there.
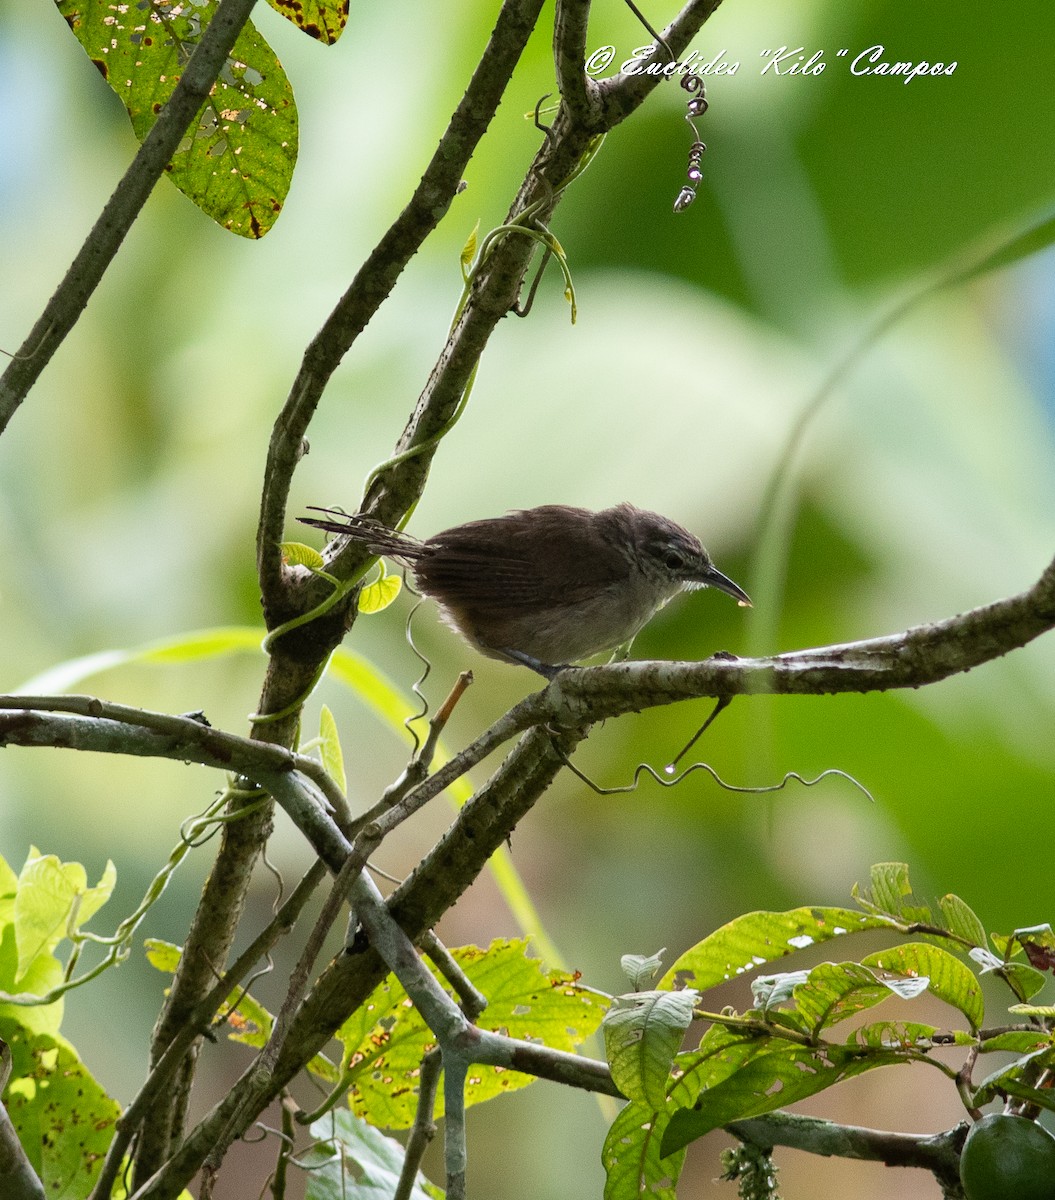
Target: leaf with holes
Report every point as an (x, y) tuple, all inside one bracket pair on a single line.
[(236, 159), (760, 937), (385, 1038), (632, 1160), (642, 1033), (947, 977), (323, 20), (832, 992)]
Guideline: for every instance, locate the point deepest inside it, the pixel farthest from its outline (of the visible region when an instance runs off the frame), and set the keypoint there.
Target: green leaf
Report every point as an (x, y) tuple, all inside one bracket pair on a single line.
[(377, 596), (721, 1053), (49, 892), (768, 991), (760, 937), (1021, 1041), (641, 969), (642, 1033), (201, 644), (237, 158), (385, 1038), (297, 554), (1017, 1078), (949, 979), (44, 973), (64, 1119), (1024, 981), (834, 991), (1032, 1010), (469, 251), (962, 920), (632, 1160), (891, 895), (896, 1035), (164, 956), (766, 1082), (353, 1159), (249, 1021), (330, 747), (321, 19)]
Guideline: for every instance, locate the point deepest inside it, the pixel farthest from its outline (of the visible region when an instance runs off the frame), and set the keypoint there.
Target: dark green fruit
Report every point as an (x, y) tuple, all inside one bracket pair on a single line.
[(1008, 1158)]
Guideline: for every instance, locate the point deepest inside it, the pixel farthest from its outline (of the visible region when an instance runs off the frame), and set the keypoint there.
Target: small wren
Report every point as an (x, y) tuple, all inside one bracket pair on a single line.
[(548, 586)]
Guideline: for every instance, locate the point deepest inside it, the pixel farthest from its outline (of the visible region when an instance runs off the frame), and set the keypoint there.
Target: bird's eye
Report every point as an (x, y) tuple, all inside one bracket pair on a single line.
[(673, 559)]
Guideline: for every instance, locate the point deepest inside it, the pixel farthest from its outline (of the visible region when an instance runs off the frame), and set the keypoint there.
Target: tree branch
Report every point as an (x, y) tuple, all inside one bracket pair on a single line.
[(938, 1153), (102, 243), (376, 278)]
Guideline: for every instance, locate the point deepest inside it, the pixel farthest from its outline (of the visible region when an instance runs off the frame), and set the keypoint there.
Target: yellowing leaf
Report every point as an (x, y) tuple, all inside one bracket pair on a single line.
[(379, 595), (296, 554)]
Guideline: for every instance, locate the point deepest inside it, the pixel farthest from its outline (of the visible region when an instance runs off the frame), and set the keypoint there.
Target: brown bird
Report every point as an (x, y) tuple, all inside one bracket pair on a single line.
[(548, 586)]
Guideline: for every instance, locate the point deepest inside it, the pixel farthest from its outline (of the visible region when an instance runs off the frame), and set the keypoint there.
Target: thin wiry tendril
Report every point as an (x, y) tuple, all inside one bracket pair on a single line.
[(279, 881), (416, 686), (266, 969), (761, 789)]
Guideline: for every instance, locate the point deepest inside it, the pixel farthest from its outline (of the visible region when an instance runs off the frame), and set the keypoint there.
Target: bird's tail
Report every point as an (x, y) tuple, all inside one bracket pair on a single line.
[(375, 536)]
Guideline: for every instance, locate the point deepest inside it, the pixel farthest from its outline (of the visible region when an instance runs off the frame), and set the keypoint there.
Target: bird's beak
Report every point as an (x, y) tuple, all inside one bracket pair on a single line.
[(712, 577)]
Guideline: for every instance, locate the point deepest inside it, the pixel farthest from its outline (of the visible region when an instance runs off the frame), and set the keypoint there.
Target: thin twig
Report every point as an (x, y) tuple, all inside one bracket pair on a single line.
[(424, 1128), (159, 1077)]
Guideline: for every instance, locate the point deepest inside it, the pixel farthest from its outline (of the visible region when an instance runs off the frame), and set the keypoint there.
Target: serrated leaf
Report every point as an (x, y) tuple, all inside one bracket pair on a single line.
[(641, 969), (297, 554), (949, 979), (385, 1038), (766, 1082), (236, 159), (349, 1149), (642, 1033), (330, 747), (631, 1156), (377, 596), (756, 938), (962, 920), (323, 20), (834, 991)]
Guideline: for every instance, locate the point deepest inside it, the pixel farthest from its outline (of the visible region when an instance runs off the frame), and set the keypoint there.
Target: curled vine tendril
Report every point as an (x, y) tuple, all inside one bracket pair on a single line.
[(697, 106), (426, 665), (666, 780)]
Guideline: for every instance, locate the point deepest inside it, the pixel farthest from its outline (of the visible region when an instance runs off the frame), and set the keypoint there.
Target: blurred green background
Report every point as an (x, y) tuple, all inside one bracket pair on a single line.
[(130, 482)]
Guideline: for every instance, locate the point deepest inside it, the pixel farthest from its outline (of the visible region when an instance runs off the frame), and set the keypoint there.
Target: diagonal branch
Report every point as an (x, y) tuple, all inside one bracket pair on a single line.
[(102, 243), (556, 718), (378, 275)]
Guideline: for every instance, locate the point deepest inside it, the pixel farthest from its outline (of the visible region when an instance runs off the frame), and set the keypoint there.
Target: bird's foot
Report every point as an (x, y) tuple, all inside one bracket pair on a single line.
[(548, 671)]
